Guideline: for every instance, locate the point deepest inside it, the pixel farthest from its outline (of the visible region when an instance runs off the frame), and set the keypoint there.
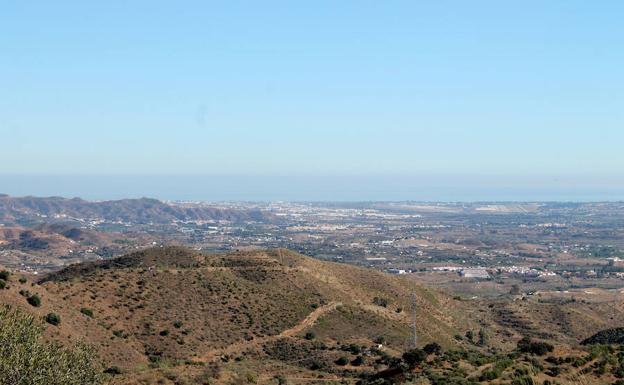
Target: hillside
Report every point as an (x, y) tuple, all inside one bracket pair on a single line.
[(28, 210), (608, 336), (175, 305), (48, 247), (172, 315)]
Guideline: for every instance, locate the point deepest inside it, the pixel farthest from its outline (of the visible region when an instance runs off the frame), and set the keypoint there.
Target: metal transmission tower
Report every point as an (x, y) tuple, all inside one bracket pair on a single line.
[(414, 305)]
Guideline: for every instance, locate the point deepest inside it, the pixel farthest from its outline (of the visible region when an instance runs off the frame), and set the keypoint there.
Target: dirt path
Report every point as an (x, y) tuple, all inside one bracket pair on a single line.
[(310, 319), (257, 342)]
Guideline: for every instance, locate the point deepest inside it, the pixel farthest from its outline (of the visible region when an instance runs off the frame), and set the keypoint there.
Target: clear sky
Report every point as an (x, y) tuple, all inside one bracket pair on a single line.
[(312, 88)]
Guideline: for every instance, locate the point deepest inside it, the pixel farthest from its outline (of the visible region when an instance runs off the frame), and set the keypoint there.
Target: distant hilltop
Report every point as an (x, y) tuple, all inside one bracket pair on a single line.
[(144, 210)]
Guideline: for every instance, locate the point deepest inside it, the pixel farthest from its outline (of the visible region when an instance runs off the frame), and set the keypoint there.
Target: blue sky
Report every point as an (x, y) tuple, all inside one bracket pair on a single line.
[(318, 88)]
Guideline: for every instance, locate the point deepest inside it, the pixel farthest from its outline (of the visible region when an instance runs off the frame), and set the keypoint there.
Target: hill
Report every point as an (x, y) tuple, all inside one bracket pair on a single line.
[(172, 315), (48, 247), (29, 210), (605, 337), (172, 304)]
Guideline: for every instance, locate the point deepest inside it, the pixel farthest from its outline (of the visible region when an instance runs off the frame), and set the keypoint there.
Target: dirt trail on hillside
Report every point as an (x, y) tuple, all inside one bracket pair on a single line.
[(310, 319), (257, 342)]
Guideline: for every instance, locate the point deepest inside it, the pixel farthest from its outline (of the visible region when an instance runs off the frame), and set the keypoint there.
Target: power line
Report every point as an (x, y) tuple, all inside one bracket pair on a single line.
[(414, 305)]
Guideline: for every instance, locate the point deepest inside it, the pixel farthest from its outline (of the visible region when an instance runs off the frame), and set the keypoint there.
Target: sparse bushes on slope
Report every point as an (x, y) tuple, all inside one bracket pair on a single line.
[(608, 336), (26, 360)]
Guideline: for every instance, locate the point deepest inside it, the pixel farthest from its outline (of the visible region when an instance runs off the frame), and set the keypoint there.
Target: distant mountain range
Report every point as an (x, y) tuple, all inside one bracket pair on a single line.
[(20, 210)]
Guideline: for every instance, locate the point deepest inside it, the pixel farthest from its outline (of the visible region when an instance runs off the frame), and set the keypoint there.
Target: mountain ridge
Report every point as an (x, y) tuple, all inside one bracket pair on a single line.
[(142, 210)]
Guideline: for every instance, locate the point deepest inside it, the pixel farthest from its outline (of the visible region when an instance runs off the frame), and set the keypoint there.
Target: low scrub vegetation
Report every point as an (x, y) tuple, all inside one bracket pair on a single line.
[(26, 360)]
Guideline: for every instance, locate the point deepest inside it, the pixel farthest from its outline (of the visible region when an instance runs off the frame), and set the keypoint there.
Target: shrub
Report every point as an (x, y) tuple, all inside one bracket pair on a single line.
[(432, 348), (380, 302), (414, 357), (342, 361), (359, 360), (3, 284), (34, 300), (525, 345), (4, 275), (469, 335), (353, 348), (23, 280), (310, 336), (164, 333), (113, 370), (316, 365), (251, 378), (177, 324), (483, 337), (53, 319), (27, 359), (86, 311)]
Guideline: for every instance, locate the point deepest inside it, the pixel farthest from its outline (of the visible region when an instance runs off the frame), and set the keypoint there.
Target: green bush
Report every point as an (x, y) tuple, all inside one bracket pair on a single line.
[(118, 333), (86, 311), (525, 345), (4, 275), (353, 348), (310, 336), (177, 324), (414, 357), (23, 280), (53, 319), (432, 348), (26, 360), (3, 284), (34, 300), (342, 361)]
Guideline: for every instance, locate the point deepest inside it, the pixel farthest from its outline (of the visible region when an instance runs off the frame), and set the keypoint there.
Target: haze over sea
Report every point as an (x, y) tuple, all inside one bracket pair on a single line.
[(319, 188)]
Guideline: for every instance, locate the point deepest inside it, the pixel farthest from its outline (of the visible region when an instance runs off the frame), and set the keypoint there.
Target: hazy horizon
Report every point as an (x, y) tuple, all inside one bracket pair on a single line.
[(432, 188)]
